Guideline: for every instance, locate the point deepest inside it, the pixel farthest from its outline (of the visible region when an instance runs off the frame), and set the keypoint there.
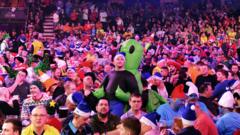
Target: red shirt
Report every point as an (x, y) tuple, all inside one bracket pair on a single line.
[(55, 123), (205, 125)]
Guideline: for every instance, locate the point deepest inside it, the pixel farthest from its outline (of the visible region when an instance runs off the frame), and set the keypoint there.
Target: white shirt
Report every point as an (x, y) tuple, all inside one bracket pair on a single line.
[(103, 16), (55, 18)]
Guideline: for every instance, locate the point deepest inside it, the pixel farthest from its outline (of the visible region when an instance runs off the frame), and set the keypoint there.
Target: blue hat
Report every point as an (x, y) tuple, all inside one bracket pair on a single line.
[(82, 109), (233, 84), (189, 115), (22, 39), (59, 53), (157, 75), (146, 75), (75, 98), (151, 119)]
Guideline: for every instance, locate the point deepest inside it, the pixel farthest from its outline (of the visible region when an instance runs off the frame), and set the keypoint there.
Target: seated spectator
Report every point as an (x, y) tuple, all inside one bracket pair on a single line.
[(229, 121), (188, 120), (205, 92), (135, 102), (130, 126), (204, 123), (38, 123), (37, 97), (20, 86), (104, 122), (151, 99), (78, 125), (69, 87), (12, 127)]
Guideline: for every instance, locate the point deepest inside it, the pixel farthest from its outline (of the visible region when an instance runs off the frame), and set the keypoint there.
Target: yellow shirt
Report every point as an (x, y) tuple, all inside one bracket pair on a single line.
[(48, 130), (37, 46)]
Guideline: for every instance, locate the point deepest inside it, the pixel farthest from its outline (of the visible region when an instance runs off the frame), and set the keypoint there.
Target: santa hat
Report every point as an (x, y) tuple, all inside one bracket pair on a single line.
[(158, 76), (227, 100), (234, 84), (59, 54), (82, 109), (192, 90), (189, 115), (151, 119), (46, 80), (75, 98), (22, 39)]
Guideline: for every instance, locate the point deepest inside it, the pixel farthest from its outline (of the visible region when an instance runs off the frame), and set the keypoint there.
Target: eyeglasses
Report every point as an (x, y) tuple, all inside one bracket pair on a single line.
[(39, 115)]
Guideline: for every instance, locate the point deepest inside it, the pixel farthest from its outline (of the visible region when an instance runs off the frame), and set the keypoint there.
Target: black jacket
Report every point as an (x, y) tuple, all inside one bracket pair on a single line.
[(189, 131)]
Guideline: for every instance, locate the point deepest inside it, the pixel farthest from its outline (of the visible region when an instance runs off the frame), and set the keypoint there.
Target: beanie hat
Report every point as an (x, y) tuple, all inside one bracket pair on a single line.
[(227, 100), (192, 90), (75, 98), (82, 109), (38, 84), (189, 115), (151, 119)]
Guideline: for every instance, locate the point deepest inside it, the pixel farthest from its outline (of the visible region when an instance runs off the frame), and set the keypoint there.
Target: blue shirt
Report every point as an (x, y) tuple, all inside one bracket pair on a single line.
[(74, 130), (220, 88), (228, 123)]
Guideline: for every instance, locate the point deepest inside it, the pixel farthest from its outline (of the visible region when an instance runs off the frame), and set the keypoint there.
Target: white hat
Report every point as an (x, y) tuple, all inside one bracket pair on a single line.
[(227, 100), (192, 89)]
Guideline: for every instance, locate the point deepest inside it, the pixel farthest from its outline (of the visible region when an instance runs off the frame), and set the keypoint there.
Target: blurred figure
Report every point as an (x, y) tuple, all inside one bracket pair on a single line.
[(12, 127)]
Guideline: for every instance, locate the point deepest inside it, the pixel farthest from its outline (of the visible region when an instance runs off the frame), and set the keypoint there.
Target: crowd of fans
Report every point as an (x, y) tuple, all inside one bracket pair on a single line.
[(77, 83)]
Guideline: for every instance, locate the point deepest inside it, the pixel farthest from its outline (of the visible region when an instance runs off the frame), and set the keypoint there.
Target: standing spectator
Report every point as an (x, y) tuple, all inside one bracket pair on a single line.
[(85, 14), (205, 77), (117, 83), (38, 123), (103, 18), (74, 17), (220, 88), (205, 92), (104, 122)]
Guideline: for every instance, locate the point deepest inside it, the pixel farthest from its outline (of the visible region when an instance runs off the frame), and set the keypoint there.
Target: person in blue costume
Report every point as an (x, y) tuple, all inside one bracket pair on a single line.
[(169, 111), (229, 122)]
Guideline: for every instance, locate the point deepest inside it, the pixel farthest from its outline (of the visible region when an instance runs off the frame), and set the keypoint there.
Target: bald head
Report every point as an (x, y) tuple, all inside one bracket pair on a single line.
[(39, 117)]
